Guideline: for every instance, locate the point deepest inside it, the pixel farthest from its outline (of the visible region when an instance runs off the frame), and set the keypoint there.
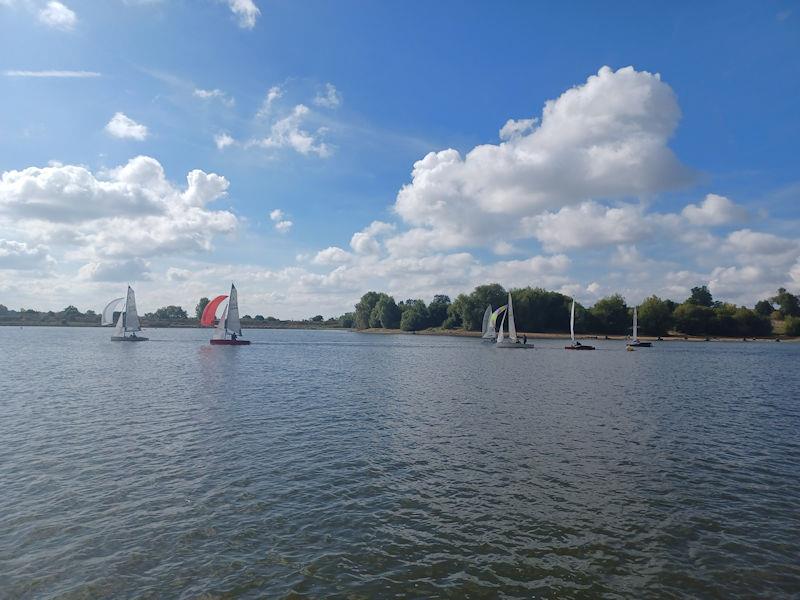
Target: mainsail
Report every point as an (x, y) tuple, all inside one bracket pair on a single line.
[(635, 326), (233, 324), (572, 322), (487, 316), (512, 330), (131, 317)]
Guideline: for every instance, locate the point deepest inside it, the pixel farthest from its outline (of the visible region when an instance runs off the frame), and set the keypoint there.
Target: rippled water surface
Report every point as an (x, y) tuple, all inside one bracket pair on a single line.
[(345, 465)]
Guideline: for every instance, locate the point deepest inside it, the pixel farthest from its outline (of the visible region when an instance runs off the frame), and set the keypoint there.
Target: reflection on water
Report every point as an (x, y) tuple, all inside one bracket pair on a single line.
[(338, 464)]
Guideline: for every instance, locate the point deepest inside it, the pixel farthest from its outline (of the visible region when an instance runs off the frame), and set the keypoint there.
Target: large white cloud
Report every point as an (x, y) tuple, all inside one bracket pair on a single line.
[(604, 139), (131, 211), (246, 12), (22, 256), (290, 132), (713, 211)]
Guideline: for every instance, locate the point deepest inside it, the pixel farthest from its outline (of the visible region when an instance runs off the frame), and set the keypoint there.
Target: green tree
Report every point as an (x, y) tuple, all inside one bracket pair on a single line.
[(437, 310), (655, 316), (201, 306), (751, 323), (71, 312), (788, 303), (536, 309), (317, 318), (258, 318), (347, 320), (170, 313), (611, 314), (388, 313), (701, 296), (364, 309), (453, 319), (415, 316), (791, 326), (693, 319), (764, 308), (3, 309)]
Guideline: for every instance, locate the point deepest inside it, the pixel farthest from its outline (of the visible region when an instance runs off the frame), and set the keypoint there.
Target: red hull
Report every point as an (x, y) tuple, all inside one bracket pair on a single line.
[(230, 342)]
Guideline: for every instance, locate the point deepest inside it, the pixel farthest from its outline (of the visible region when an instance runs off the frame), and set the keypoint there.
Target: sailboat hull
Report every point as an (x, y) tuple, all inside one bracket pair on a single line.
[(230, 342), (512, 345), (119, 338), (581, 347), (640, 344)]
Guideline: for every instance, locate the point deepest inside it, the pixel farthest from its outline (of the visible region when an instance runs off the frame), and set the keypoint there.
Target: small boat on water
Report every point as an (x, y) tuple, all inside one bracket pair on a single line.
[(512, 341), (128, 320), (576, 345), (228, 330), (635, 342)]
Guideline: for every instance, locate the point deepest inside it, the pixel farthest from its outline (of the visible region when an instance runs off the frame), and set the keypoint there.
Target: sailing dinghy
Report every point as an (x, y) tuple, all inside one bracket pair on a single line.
[(512, 341), (228, 329), (575, 344), (635, 343), (128, 320)]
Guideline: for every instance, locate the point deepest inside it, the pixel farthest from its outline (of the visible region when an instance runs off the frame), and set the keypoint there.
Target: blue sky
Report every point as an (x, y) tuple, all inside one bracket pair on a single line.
[(301, 122)]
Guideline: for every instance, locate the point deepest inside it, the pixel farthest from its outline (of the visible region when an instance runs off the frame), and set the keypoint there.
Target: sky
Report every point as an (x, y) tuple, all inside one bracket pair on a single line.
[(312, 151)]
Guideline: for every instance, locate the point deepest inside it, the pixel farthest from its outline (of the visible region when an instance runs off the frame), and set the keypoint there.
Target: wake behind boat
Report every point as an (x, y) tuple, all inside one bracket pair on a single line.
[(228, 330), (127, 322), (576, 345), (635, 343)]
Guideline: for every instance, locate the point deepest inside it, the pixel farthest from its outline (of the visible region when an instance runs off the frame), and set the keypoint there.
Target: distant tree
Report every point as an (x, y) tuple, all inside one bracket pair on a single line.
[(364, 309), (437, 310), (751, 323), (375, 315), (693, 319), (201, 306), (700, 296), (387, 312), (258, 318), (655, 316), (415, 316), (764, 308), (272, 319), (536, 309), (70, 312), (453, 319), (90, 313), (791, 326), (317, 318), (788, 303), (611, 314), (3, 309), (247, 318), (170, 313), (347, 320)]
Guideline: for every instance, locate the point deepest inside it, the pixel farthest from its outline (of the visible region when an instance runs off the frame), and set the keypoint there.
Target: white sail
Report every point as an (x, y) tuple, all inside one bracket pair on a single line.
[(635, 326), (131, 317), (119, 330), (572, 322), (500, 333), (220, 329), (107, 318), (233, 325), (487, 316), (512, 329)]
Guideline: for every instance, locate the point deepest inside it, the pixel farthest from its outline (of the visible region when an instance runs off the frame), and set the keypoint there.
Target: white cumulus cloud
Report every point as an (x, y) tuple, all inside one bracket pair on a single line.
[(246, 12), (58, 16), (223, 140), (330, 98), (289, 132), (22, 256), (123, 127), (713, 211)]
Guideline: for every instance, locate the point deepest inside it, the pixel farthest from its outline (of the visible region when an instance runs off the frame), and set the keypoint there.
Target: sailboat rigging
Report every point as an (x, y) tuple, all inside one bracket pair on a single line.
[(128, 320), (576, 345), (635, 342), (228, 330)]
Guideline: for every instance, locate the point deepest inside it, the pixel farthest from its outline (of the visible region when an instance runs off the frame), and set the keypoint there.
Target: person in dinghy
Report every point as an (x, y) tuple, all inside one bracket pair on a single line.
[(228, 329), (128, 320)]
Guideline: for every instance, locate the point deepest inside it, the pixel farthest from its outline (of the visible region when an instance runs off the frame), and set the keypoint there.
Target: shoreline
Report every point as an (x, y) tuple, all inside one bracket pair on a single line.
[(565, 336)]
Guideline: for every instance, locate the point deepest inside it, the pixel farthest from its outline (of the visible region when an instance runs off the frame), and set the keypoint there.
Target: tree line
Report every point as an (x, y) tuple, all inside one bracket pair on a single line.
[(540, 310)]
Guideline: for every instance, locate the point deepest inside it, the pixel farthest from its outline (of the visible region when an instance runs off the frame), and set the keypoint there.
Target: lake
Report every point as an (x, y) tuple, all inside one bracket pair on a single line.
[(335, 464)]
